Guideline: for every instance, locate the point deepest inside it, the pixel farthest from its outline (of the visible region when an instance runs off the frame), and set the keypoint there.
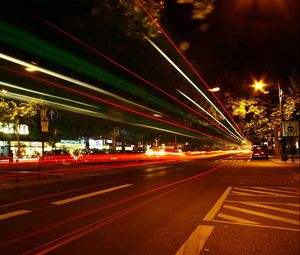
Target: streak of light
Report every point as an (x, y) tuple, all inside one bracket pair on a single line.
[(103, 116), (37, 46), (72, 80), (192, 83), (209, 114), (14, 60), (111, 205), (188, 63), (9, 85), (121, 66)]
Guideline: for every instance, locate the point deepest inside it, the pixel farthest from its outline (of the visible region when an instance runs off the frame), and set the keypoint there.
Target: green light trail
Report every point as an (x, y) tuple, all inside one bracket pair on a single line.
[(41, 48), (30, 43), (75, 81), (95, 114)]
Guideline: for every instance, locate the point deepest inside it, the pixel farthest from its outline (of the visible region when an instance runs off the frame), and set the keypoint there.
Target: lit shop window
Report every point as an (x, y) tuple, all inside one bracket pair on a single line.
[(9, 129)]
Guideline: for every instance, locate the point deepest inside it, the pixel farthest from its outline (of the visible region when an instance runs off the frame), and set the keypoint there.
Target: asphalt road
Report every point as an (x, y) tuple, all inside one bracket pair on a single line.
[(221, 205)]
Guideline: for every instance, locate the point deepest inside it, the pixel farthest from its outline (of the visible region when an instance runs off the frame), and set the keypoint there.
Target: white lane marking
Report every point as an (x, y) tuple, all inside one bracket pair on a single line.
[(294, 205), (265, 215), (259, 226), (13, 214), (212, 213), (261, 192), (278, 190), (194, 244), (72, 199), (273, 208), (236, 219)]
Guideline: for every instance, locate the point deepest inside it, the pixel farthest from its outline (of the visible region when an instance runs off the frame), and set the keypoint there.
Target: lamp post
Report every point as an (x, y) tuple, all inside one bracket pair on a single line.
[(260, 86)]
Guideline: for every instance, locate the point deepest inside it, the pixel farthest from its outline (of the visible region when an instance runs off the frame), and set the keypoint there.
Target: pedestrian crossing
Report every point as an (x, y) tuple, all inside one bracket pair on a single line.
[(269, 207)]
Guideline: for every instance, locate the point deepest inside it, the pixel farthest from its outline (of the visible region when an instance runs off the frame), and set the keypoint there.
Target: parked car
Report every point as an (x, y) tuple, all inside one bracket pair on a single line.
[(58, 156), (260, 151)]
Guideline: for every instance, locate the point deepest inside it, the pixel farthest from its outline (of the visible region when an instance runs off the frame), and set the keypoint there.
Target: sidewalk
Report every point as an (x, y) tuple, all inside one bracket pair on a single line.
[(288, 162)]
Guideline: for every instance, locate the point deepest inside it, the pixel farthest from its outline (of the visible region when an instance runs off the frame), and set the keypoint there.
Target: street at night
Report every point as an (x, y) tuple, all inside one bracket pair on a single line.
[(149, 127), (225, 204)]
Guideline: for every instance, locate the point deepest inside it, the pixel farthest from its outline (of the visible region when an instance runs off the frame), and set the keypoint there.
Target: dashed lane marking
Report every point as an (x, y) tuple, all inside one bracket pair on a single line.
[(72, 199), (13, 214)]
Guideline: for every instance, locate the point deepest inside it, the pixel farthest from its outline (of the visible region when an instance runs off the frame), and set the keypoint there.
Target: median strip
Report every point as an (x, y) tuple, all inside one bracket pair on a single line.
[(72, 199)]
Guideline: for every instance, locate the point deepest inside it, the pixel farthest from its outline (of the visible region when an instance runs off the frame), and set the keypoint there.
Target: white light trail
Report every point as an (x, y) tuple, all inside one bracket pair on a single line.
[(192, 83), (9, 85), (72, 80), (89, 113), (235, 136)]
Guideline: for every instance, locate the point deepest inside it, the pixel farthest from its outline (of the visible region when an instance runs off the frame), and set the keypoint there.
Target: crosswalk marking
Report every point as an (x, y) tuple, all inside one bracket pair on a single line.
[(263, 192), (295, 205), (265, 215), (72, 199), (262, 205), (241, 193), (236, 219), (278, 190)]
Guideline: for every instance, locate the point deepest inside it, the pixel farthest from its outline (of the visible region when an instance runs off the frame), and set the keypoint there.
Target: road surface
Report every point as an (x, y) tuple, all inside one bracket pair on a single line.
[(221, 205)]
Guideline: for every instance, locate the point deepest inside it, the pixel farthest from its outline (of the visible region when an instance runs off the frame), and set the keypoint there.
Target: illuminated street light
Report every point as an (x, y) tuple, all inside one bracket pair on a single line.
[(215, 89), (31, 68), (260, 86)]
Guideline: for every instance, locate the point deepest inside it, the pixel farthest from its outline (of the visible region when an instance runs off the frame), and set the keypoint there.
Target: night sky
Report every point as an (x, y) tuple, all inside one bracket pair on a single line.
[(241, 40), (238, 41), (248, 38)]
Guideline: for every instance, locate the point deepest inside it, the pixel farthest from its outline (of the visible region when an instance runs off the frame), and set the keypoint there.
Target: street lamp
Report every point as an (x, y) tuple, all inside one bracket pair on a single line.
[(215, 89), (259, 86)]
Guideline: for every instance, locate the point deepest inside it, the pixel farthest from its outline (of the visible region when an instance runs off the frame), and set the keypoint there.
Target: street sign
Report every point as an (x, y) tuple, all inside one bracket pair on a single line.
[(44, 125), (290, 128), (51, 114)]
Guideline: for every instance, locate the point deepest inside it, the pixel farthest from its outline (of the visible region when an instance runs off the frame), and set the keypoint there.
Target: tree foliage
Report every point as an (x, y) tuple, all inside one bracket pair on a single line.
[(260, 117), (17, 112), (200, 8), (130, 16)]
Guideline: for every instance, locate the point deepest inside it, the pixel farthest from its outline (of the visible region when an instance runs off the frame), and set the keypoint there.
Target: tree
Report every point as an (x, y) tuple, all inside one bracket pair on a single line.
[(291, 107), (200, 8), (260, 116), (16, 113), (130, 16)]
